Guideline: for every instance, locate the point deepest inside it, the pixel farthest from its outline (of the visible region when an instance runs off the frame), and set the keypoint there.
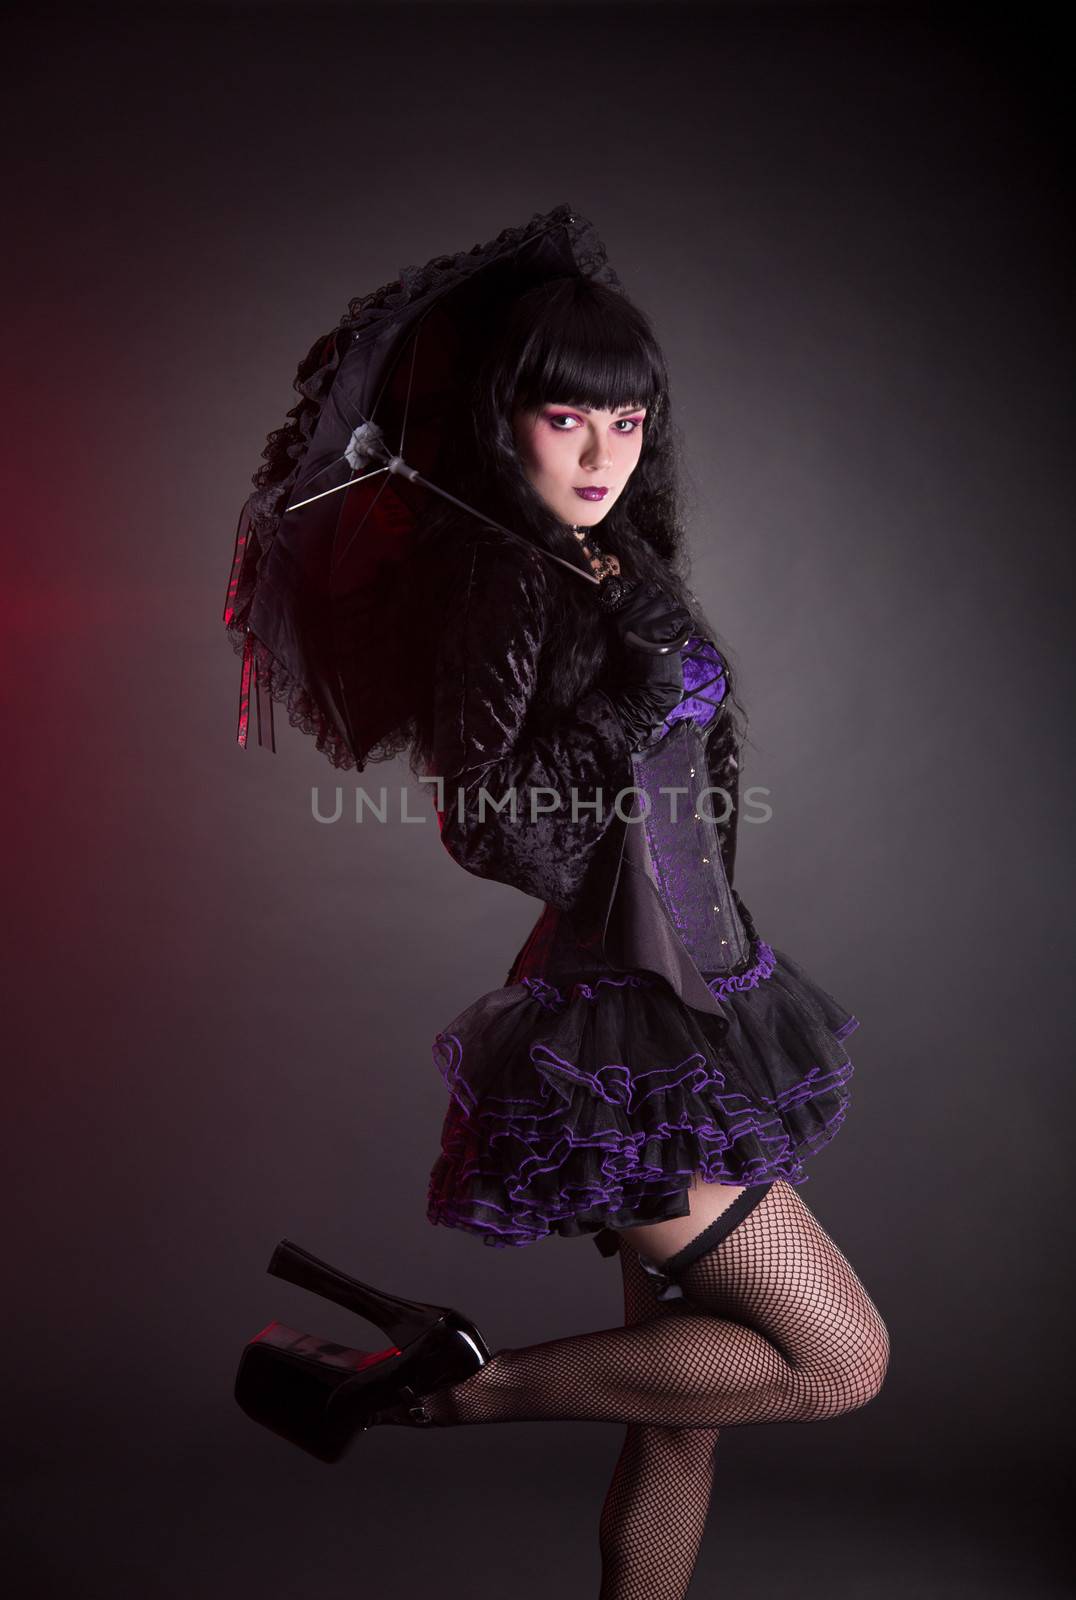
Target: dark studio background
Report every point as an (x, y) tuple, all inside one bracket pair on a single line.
[(852, 229)]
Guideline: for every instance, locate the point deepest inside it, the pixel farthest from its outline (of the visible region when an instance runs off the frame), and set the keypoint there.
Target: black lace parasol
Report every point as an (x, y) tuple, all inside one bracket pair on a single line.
[(325, 536)]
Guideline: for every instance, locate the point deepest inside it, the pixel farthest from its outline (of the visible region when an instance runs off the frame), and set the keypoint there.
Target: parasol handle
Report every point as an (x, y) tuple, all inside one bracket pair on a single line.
[(398, 465)]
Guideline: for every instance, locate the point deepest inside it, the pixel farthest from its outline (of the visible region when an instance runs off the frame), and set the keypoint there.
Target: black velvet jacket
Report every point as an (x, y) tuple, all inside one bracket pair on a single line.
[(488, 733)]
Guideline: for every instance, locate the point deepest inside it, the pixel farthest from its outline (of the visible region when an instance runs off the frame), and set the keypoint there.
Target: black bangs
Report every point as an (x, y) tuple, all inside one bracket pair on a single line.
[(577, 347)]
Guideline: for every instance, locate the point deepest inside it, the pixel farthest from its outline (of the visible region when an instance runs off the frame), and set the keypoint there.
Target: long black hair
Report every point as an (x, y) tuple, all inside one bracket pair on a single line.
[(573, 341)]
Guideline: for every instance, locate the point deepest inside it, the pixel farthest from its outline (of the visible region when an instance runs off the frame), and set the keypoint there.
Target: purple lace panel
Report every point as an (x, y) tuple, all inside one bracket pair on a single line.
[(704, 684), (684, 849)]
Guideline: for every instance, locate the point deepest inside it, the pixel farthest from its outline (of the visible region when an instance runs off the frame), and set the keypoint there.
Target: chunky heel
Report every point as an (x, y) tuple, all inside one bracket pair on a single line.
[(318, 1394), (402, 1320), (287, 1381)]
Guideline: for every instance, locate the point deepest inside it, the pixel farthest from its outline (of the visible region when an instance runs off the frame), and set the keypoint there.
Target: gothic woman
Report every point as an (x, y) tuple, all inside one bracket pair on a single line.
[(652, 1073)]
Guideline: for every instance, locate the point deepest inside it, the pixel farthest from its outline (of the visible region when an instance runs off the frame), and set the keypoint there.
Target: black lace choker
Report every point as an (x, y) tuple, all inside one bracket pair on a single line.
[(602, 563)]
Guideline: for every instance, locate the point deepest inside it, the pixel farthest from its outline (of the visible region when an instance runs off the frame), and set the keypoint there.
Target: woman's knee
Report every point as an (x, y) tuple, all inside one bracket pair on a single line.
[(851, 1374)]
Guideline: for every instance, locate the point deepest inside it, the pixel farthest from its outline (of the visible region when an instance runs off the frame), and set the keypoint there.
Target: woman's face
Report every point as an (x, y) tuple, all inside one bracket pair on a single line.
[(566, 449)]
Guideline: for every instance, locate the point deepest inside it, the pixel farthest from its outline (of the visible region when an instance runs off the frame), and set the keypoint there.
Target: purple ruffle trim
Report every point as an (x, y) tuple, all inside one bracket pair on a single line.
[(550, 996), (627, 1173), (736, 983), (617, 1141)]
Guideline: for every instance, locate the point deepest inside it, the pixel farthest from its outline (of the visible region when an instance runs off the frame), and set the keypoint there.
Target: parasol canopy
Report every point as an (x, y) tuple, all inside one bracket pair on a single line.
[(324, 540)]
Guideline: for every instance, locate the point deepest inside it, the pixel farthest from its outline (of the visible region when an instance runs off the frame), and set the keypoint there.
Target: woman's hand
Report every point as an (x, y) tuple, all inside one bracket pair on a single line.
[(647, 678), (649, 618)]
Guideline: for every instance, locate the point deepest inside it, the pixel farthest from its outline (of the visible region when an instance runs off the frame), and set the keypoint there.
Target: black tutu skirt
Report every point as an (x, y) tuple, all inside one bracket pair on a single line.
[(591, 1104)]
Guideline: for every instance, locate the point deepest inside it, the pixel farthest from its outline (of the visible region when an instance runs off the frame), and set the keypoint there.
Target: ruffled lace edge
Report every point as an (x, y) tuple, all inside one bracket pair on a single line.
[(274, 683), (617, 1196), (634, 1166), (761, 964)]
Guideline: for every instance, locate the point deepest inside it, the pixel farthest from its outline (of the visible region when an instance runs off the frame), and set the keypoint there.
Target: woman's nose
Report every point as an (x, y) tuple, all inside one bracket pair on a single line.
[(596, 456)]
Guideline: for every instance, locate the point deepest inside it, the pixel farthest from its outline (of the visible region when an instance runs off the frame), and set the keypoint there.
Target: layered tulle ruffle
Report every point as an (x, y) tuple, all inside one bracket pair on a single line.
[(592, 1104)]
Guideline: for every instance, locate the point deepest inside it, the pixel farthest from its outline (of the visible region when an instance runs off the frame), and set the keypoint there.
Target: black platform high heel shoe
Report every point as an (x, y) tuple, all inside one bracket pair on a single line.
[(318, 1394)]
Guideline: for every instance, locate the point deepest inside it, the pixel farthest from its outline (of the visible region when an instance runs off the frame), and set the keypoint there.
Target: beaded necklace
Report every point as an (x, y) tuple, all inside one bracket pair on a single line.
[(601, 563)]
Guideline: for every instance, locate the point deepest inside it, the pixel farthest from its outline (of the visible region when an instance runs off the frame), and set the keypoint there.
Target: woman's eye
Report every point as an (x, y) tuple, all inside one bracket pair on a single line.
[(633, 423)]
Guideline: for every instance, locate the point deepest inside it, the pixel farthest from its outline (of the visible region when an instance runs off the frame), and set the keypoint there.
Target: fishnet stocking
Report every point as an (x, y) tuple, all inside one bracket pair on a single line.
[(654, 1514), (775, 1327)]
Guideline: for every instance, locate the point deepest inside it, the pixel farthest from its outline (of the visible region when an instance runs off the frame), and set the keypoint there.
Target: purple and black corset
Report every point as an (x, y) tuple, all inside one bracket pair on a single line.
[(704, 684)]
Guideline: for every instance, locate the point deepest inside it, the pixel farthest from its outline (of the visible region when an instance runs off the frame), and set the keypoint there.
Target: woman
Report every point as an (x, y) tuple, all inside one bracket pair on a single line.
[(652, 1073)]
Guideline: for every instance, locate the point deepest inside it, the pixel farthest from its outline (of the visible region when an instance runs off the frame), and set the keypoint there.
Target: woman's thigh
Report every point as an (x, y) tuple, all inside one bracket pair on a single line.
[(778, 1271), (660, 1240)]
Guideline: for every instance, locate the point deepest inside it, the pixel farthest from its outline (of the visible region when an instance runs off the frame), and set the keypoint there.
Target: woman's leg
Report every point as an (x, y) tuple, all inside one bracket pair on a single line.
[(654, 1514), (774, 1327), (706, 1202)]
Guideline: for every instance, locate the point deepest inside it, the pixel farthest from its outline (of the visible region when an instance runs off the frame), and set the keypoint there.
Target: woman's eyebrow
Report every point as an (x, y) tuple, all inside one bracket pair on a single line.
[(620, 413)]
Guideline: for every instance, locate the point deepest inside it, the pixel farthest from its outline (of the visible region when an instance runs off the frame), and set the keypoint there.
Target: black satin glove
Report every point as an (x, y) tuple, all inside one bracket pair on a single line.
[(643, 685)]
